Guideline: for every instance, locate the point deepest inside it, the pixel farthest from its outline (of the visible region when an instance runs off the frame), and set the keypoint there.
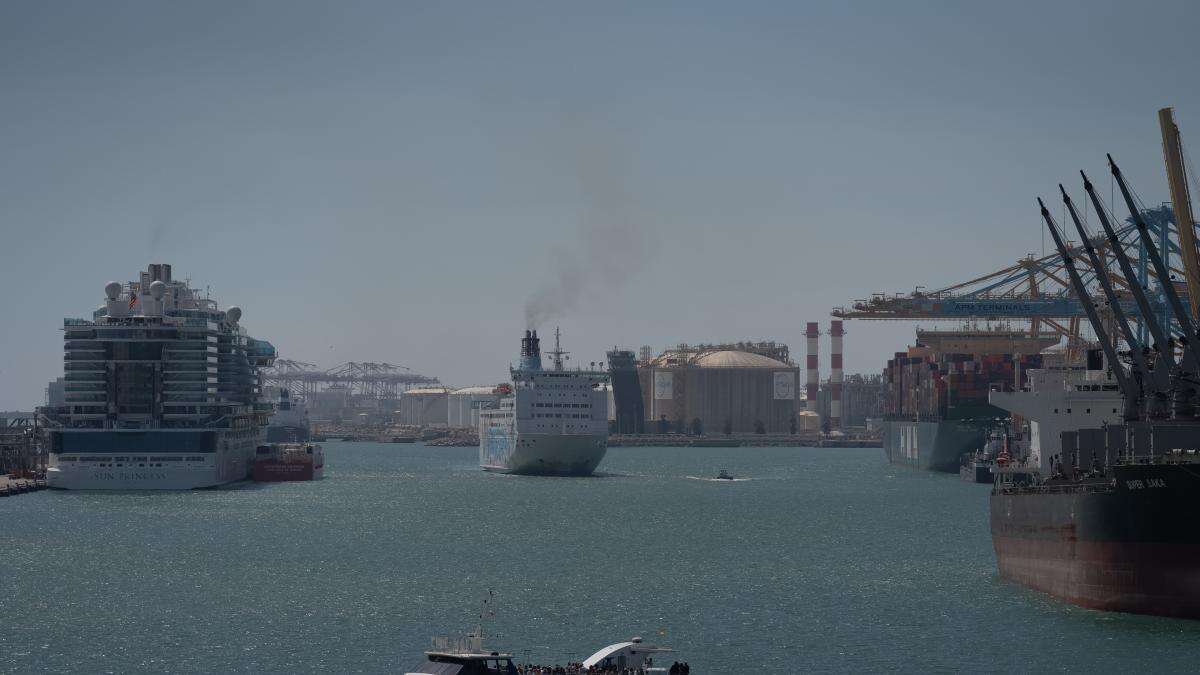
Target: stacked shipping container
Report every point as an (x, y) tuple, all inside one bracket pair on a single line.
[(922, 385)]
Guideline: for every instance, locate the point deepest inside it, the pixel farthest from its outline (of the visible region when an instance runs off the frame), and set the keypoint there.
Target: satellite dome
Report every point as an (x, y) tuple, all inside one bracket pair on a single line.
[(233, 314), (157, 289), (112, 289)]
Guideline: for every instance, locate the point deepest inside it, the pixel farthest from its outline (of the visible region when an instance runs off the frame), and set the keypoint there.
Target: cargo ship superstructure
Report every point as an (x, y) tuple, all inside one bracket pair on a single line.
[(1057, 399), (1107, 521), (553, 422), (937, 406), (163, 392), (290, 423)]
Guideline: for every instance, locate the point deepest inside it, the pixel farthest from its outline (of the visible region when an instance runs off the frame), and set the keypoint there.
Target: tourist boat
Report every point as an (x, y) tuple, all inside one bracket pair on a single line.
[(632, 656)]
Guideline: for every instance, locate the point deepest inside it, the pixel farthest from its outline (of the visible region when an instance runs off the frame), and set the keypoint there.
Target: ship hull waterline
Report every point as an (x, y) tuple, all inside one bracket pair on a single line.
[(1134, 547), (544, 454), (932, 445)]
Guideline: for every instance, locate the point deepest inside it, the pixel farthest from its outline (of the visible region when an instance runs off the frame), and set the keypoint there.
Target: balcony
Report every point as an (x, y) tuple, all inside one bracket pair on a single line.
[(85, 376), (96, 355), (77, 397)]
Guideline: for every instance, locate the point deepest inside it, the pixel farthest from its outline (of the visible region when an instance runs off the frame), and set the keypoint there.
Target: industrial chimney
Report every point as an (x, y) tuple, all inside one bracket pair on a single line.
[(814, 377), (835, 374)]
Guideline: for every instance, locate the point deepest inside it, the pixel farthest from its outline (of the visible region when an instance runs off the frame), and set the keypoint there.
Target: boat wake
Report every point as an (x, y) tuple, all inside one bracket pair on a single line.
[(710, 479)]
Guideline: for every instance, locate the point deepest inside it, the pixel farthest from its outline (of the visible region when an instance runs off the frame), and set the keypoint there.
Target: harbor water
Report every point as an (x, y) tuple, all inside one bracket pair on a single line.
[(825, 559)]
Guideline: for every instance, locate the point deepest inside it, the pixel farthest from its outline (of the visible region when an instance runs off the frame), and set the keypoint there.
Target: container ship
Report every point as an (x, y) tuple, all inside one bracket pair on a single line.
[(936, 407), (163, 392), (1105, 519), (553, 422)]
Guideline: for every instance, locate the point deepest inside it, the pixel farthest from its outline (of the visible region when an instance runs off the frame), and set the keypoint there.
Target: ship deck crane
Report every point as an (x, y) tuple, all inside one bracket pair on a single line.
[(1131, 395), (1140, 367)]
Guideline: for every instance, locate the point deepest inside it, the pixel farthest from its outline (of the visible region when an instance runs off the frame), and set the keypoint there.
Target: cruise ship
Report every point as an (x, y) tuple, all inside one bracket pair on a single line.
[(553, 422), (163, 392)]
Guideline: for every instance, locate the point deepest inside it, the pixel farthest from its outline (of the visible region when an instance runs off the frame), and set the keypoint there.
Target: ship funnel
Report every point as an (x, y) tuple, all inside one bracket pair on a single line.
[(531, 351)]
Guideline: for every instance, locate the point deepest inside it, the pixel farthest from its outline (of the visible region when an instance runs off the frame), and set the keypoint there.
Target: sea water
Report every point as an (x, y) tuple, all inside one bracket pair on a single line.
[(817, 560)]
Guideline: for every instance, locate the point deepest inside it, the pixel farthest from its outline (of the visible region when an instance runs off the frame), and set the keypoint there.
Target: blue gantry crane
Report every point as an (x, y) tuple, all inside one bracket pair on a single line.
[(1036, 289)]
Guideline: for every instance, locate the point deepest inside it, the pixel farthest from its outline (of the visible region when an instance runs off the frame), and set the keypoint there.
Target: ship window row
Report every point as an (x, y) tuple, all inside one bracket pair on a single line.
[(562, 405), (144, 441), (128, 334), (561, 415), (108, 461)]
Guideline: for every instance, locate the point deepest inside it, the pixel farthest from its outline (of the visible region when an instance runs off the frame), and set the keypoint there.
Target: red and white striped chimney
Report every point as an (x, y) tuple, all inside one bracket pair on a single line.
[(814, 377), (835, 374)]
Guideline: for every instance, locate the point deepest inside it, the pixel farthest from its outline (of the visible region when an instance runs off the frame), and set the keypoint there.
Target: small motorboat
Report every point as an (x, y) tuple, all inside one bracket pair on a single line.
[(724, 475)]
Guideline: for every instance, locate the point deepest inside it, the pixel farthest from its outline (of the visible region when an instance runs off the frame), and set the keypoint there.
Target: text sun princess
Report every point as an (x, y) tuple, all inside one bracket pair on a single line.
[(553, 423)]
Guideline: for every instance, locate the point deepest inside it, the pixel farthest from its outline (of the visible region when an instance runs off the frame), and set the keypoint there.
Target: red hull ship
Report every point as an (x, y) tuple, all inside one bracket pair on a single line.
[(288, 462), (1122, 539)]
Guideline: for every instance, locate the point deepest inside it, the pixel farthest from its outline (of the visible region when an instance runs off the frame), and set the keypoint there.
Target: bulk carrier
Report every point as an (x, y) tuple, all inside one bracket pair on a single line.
[(162, 392), (554, 422), (936, 407), (1107, 520)]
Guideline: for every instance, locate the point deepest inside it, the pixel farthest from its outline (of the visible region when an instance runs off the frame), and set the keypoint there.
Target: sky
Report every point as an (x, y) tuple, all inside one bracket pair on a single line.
[(410, 182)]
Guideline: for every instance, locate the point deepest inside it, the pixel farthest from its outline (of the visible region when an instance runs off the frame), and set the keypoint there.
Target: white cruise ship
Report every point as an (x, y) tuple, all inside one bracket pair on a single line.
[(163, 392), (552, 422)]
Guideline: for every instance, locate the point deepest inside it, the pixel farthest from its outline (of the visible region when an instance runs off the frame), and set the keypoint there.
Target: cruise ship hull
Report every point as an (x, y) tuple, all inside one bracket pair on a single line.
[(931, 445), (147, 470), (543, 454), (1129, 547)]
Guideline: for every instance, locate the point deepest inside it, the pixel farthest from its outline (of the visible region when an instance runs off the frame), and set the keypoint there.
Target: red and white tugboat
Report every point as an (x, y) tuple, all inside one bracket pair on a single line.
[(288, 461)]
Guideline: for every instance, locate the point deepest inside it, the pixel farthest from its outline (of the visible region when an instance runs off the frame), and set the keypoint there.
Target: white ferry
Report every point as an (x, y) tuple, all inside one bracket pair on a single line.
[(163, 392), (553, 422)]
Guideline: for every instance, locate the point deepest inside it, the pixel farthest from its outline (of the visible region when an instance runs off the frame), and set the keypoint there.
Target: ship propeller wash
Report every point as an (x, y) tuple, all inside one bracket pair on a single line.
[(163, 392), (548, 422)]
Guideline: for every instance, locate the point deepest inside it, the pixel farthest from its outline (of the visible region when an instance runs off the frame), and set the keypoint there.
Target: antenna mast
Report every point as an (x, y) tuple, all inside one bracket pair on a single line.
[(558, 354)]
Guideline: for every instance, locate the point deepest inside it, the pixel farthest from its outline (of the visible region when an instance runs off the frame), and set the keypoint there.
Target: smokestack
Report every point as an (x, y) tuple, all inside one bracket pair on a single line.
[(531, 351), (814, 376), (835, 374)]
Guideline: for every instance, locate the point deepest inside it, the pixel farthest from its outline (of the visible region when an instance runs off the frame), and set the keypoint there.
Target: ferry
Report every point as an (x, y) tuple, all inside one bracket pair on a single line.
[(163, 392), (551, 422)]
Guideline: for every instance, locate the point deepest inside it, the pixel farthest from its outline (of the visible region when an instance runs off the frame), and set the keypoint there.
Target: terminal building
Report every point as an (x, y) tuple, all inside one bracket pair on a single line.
[(463, 406), (425, 407), (863, 398)]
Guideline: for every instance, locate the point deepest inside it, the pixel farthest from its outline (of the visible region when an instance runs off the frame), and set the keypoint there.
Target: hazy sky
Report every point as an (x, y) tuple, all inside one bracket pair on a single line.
[(394, 181)]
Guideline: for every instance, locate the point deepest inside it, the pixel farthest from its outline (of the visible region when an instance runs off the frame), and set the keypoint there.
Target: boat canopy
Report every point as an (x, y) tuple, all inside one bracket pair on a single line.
[(634, 651)]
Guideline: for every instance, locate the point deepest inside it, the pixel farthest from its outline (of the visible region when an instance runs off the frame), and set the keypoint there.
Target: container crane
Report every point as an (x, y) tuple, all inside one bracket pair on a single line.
[(1036, 289)]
